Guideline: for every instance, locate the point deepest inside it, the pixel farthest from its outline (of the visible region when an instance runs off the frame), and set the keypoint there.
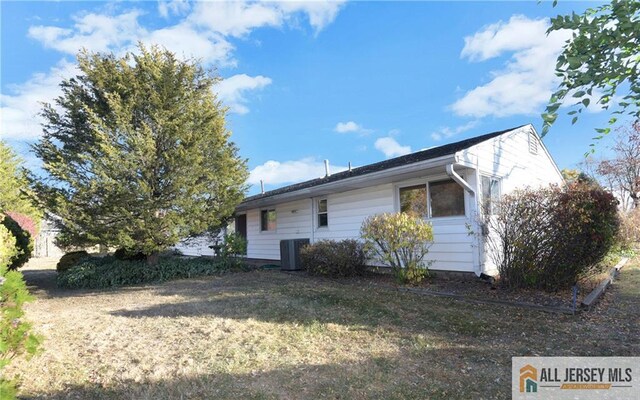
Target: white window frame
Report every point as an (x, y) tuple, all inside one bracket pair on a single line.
[(426, 182), (481, 186), (318, 213)]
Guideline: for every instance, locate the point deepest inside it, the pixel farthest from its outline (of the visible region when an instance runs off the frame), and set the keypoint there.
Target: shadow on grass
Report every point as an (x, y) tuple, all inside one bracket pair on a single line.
[(42, 284), (440, 374)]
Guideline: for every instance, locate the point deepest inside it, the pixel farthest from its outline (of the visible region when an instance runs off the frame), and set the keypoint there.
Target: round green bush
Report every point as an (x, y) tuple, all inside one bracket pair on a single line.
[(70, 259), (24, 243)]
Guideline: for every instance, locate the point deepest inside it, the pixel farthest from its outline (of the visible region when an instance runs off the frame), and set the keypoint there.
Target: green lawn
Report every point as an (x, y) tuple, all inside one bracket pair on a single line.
[(270, 335)]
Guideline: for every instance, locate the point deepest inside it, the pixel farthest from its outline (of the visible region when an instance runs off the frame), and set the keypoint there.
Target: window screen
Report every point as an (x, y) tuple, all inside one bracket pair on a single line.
[(268, 220), (413, 200), (490, 194), (447, 199)]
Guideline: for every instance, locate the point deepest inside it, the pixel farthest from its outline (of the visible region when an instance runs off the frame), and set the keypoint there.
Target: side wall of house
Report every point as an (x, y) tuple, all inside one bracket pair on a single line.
[(519, 160), (452, 249), (293, 221)]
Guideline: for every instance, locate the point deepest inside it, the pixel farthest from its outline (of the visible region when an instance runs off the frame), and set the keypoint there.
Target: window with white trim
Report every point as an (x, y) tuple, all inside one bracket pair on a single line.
[(490, 194), (323, 213)]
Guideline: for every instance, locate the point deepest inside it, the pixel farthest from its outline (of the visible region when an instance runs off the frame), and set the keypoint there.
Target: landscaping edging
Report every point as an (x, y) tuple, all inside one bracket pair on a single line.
[(596, 293)]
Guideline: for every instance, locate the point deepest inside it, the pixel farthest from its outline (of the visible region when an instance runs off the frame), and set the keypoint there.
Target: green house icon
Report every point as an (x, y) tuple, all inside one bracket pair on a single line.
[(531, 386)]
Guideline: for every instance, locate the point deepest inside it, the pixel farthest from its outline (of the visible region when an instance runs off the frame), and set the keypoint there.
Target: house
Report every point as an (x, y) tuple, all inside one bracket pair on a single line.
[(446, 184), (45, 242)]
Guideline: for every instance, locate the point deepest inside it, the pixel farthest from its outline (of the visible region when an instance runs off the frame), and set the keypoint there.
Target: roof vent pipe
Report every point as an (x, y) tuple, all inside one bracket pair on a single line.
[(326, 168), (349, 166), (261, 186)]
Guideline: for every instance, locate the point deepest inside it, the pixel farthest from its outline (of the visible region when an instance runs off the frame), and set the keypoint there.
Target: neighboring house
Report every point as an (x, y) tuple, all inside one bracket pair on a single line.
[(45, 241), (446, 184)]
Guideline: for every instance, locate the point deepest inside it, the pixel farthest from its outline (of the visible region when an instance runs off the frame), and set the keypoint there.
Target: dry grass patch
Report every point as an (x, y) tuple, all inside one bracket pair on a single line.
[(269, 335)]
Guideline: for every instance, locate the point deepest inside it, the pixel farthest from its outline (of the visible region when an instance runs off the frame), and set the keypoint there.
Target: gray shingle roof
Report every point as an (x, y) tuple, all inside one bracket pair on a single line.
[(411, 158)]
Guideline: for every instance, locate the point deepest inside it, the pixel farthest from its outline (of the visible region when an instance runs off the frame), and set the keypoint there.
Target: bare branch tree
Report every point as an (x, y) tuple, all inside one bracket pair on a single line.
[(622, 172)]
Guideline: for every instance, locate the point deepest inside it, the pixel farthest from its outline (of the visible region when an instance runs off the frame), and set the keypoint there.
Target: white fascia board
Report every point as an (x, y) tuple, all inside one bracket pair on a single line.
[(349, 183)]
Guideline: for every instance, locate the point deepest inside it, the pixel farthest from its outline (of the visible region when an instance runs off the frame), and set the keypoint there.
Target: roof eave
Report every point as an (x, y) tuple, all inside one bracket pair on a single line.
[(351, 183)]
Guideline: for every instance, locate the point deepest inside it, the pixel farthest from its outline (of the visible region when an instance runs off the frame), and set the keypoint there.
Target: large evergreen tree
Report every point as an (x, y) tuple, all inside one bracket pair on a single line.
[(15, 194), (137, 153)]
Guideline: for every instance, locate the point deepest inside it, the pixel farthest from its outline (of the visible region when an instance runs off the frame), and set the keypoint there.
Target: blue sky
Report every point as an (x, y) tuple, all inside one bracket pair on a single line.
[(306, 81)]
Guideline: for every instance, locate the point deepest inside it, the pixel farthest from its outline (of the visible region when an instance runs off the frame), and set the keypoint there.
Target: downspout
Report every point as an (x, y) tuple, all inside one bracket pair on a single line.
[(473, 210), (312, 238), (454, 175)]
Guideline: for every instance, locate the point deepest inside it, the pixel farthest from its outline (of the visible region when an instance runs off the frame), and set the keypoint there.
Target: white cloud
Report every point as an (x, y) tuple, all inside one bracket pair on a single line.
[(320, 13), (204, 32), (236, 18), (232, 90), (447, 132), (524, 85), (19, 110), (185, 41), (351, 127), (390, 147), (275, 172), (172, 7), (94, 32), (520, 33)]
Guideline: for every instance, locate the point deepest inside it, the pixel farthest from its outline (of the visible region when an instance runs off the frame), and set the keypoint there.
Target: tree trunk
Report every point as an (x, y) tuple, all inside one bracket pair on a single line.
[(152, 259)]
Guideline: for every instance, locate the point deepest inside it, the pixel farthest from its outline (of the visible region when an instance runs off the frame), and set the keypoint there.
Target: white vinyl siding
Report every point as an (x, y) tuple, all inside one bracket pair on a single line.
[(509, 158), (452, 248), (293, 222), (506, 158)]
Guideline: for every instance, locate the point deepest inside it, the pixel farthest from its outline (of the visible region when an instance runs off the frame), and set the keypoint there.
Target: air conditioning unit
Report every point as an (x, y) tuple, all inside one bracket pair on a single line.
[(290, 253)]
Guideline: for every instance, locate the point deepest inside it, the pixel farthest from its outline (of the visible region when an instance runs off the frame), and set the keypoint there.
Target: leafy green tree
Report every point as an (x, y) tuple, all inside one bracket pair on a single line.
[(16, 194), (16, 337), (137, 153), (600, 60), (23, 242)]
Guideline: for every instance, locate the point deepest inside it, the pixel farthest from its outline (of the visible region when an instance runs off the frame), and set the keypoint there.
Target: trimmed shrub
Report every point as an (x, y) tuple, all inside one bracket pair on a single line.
[(24, 243), (334, 259), (400, 241), (103, 272), (70, 259), (550, 238)]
